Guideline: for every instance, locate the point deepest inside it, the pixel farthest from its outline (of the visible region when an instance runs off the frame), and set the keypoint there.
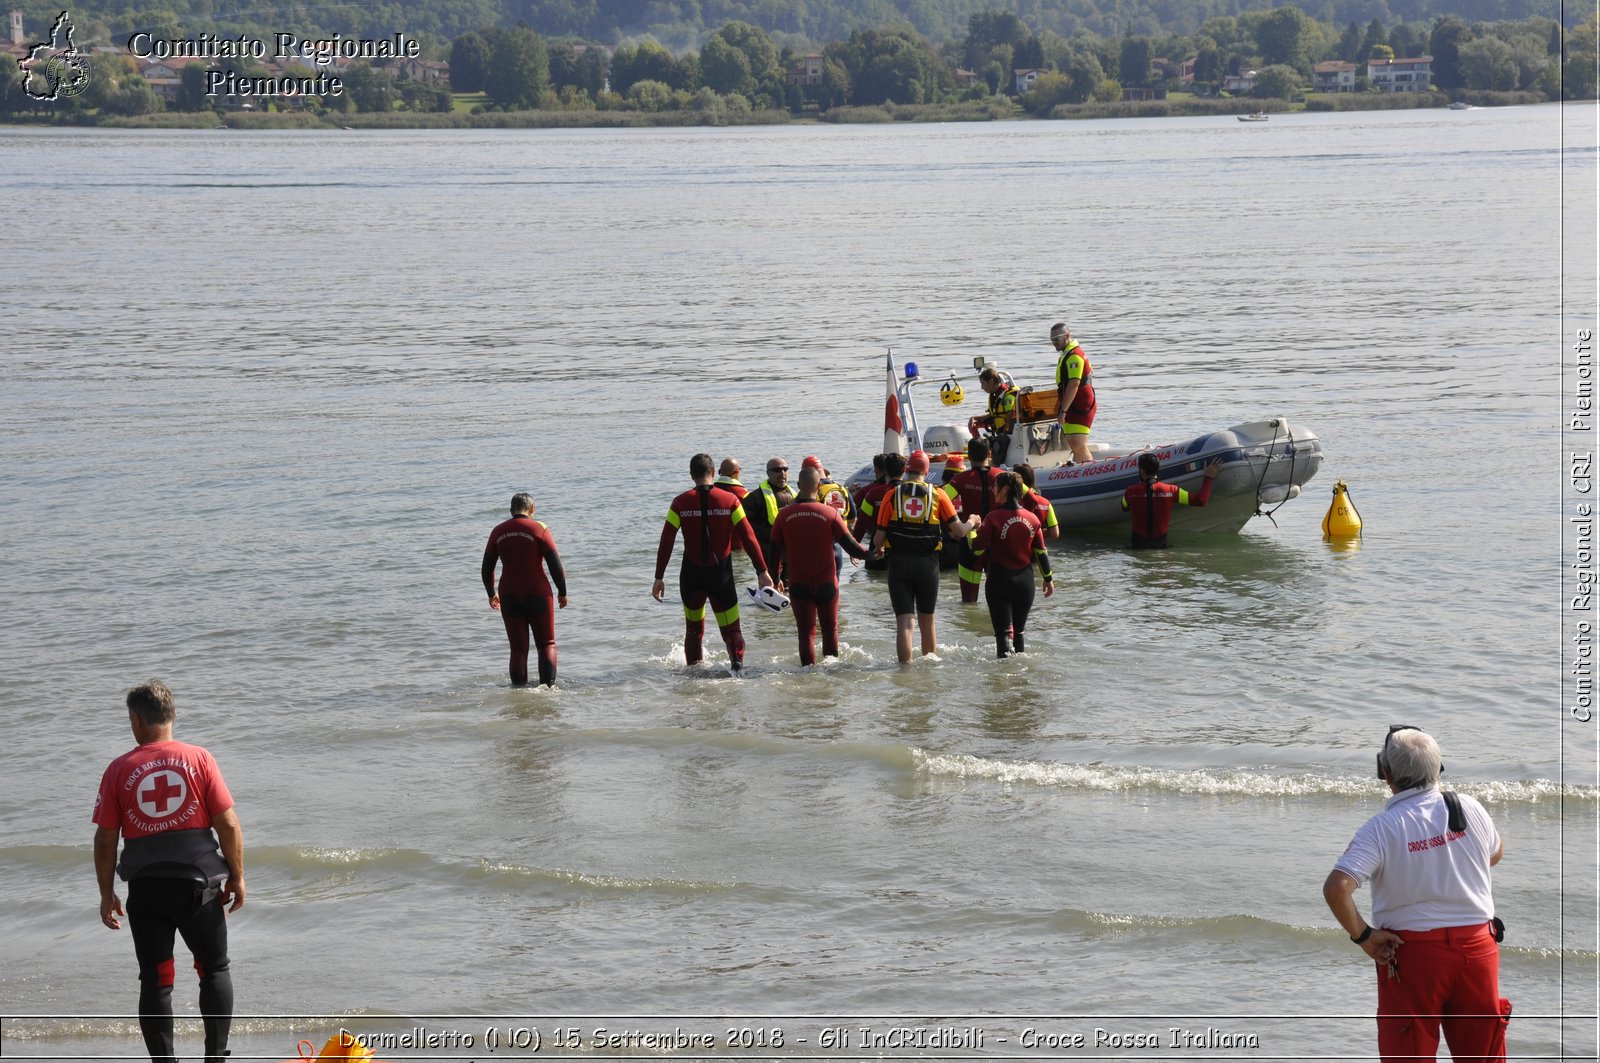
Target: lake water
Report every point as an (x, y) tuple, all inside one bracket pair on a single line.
[(265, 394)]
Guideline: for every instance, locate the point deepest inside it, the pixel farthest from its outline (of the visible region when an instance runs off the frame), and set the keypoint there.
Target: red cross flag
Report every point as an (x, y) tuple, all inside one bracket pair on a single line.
[(893, 441)]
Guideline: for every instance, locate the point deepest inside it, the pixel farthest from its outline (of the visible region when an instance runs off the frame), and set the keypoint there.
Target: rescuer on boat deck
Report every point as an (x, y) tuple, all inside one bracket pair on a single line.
[(1001, 417), (711, 520), (1150, 501), (1434, 938), (1074, 392)]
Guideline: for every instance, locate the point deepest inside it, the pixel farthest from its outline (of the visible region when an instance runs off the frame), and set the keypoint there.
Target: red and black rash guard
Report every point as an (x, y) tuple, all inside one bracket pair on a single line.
[(713, 522), (1013, 538), (524, 548), (975, 491), (805, 533), (1151, 506)]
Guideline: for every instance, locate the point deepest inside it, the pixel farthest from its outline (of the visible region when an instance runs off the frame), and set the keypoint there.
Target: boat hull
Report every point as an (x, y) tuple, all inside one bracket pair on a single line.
[(1264, 463)]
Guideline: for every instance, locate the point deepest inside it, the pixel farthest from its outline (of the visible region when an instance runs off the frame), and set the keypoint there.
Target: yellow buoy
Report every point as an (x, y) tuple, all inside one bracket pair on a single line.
[(1342, 520)]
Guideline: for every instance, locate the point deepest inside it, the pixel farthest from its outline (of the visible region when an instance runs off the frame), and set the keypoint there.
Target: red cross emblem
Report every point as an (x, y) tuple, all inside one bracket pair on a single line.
[(162, 794), (836, 500), (913, 507)]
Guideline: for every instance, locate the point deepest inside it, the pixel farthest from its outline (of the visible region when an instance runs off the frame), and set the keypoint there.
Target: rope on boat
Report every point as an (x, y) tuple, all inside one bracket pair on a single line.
[(1276, 424)]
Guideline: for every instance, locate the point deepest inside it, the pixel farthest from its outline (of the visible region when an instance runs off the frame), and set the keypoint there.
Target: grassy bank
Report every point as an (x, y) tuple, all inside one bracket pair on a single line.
[(988, 110)]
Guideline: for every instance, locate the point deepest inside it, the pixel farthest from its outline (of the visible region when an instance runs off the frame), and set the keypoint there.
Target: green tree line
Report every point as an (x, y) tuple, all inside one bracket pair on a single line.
[(743, 67)]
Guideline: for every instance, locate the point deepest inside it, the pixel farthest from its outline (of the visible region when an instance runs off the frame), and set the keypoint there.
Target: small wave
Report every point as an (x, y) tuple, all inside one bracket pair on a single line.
[(616, 883), (1218, 782)]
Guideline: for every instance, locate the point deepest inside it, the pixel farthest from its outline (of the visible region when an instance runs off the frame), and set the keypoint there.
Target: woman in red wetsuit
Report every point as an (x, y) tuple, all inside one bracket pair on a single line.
[(1012, 539), (524, 548)]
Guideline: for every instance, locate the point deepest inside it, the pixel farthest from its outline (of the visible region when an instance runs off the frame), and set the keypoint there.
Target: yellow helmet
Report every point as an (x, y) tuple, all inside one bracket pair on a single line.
[(951, 392)]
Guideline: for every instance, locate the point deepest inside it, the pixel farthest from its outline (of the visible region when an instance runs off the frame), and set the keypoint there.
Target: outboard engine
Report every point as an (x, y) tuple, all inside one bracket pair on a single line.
[(945, 439)]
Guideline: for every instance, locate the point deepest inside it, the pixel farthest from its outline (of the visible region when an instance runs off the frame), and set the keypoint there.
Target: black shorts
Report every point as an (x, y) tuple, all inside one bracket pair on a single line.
[(913, 583), (697, 583)]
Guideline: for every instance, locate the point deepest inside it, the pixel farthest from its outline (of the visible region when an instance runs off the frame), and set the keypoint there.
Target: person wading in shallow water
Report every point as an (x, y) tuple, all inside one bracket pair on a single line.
[(1011, 538), (1150, 501), (911, 522), (804, 538), (711, 520), (524, 548), (168, 803)]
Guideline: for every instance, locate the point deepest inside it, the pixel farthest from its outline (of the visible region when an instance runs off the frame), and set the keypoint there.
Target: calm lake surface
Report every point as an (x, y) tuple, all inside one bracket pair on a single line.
[(266, 393)]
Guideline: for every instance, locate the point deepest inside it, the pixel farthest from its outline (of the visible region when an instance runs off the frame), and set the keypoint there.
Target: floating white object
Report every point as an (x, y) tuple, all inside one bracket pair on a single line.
[(768, 598)]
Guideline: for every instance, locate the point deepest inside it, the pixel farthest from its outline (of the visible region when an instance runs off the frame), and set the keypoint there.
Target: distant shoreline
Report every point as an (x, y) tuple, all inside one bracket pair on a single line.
[(978, 111)]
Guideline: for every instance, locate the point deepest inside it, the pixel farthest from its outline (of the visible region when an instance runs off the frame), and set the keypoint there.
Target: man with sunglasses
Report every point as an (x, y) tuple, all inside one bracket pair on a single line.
[(1433, 935), (762, 503)]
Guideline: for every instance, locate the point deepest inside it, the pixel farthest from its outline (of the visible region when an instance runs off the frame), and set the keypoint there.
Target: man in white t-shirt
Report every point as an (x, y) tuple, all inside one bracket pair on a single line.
[(1433, 934)]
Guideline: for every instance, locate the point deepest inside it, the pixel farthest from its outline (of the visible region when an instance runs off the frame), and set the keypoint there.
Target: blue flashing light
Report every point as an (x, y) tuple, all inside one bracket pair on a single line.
[(911, 370)]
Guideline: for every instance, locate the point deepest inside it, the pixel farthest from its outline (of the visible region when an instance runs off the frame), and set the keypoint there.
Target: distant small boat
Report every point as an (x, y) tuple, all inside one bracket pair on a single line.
[(1461, 106), (1259, 116)]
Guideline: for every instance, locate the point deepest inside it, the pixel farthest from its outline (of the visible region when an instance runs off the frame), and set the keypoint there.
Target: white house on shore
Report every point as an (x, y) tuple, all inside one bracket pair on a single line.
[(1333, 76), (1401, 75)]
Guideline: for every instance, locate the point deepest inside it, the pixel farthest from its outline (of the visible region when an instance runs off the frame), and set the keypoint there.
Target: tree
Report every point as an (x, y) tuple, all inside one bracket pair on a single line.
[(1349, 42), (760, 53), (1444, 44), (645, 61), (469, 62), (1278, 81), (1134, 65), (724, 68), (989, 30), (1208, 63), (1374, 37), (1381, 53), (1086, 75), (650, 95), (519, 70), (1284, 37), (192, 88), (368, 90), (835, 87), (1578, 80)]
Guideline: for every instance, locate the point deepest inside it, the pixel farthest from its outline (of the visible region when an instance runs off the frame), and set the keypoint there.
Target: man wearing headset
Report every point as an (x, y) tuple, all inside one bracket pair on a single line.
[(1433, 934)]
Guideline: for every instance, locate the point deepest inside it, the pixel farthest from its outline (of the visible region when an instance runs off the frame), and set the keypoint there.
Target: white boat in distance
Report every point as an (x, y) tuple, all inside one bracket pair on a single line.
[(1265, 463), (1259, 116)]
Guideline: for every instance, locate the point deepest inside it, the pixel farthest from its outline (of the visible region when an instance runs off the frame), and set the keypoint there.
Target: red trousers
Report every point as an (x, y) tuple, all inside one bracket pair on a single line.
[(1448, 977)]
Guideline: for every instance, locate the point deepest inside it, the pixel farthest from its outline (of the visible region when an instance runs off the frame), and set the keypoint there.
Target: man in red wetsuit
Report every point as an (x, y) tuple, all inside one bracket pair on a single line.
[(712, 520), (974, 498), (805, 535), (1151, 501), (170, 806), (1011, 539), (524, 548)]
